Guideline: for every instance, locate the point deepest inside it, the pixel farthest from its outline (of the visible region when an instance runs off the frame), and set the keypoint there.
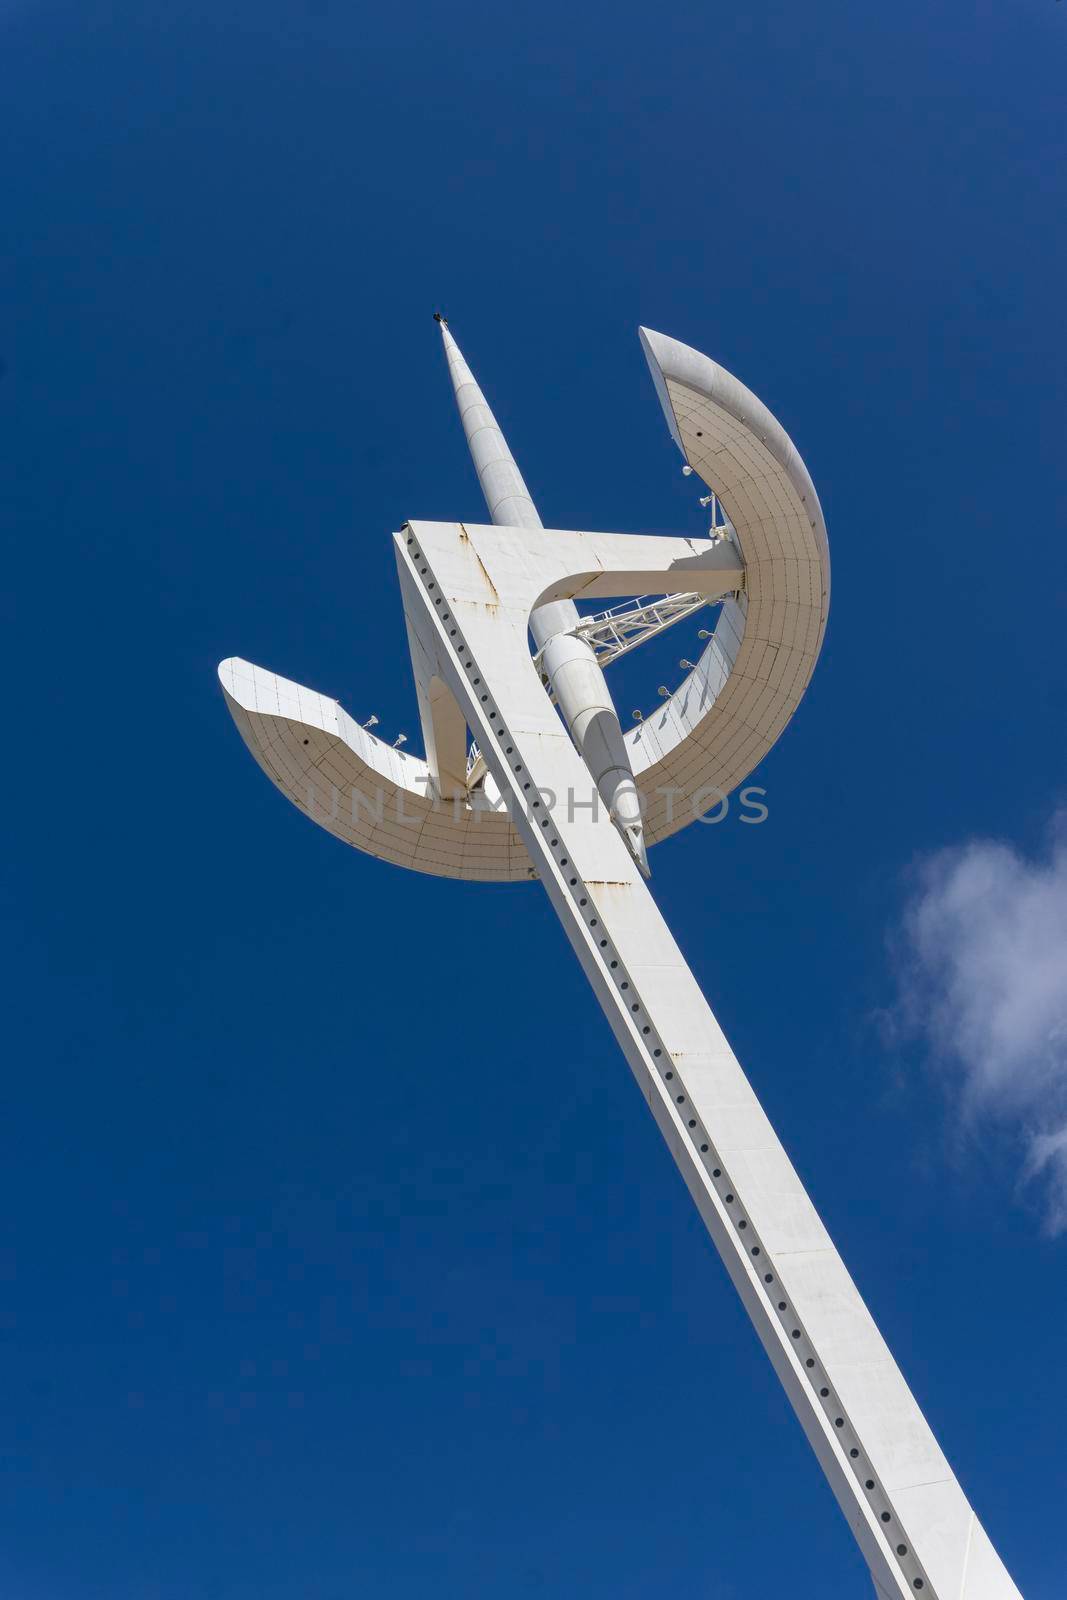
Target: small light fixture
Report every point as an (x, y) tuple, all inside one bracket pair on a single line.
[(705, 633), (371, 722), (400, 739), (687, 666), (639, 716), (663, 690)]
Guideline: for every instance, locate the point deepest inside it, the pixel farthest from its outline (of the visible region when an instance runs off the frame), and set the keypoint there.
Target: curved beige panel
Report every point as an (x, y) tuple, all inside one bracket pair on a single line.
[(358, 787), (722, 720)]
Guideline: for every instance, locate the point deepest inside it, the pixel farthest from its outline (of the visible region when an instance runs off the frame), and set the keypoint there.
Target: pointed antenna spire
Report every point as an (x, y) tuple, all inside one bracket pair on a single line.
[(505, 493)]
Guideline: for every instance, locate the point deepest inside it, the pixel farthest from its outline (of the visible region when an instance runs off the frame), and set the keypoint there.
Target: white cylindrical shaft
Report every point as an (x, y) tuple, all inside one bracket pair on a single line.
[(582, 695)]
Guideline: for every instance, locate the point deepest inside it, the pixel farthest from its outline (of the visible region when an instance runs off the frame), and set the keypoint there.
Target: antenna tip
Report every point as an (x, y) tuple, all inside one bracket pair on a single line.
[(437, 317)]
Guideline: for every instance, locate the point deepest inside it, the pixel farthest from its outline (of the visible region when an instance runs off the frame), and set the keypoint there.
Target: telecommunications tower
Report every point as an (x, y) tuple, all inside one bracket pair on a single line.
[(528, 773)]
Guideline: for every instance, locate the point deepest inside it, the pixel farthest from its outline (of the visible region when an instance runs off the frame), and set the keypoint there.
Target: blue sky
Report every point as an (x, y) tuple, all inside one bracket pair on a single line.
[(322, 1279)]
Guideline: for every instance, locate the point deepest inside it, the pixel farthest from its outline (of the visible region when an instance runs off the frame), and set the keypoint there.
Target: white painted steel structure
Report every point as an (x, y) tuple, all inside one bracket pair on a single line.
[(472, 596)]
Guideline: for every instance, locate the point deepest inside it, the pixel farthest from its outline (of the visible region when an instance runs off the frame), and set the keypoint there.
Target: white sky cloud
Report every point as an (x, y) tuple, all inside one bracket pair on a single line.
[(985, 981)]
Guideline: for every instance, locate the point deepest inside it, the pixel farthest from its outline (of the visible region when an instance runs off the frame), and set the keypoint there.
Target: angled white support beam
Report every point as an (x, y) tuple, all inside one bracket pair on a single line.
[(472, 599), (618, 564), (444, 727)]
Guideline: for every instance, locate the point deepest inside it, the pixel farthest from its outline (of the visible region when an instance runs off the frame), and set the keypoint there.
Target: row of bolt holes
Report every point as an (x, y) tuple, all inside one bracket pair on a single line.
[(657, 1052)]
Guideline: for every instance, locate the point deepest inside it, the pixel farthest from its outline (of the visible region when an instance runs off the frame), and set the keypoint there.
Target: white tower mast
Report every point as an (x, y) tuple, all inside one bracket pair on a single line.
[(471, 594)]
